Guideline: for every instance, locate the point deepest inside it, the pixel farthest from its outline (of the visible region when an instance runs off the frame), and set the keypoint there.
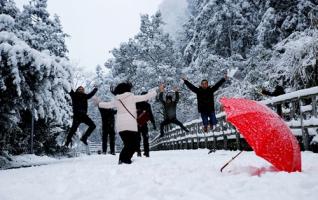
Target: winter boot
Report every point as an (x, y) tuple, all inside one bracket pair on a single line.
[(205, 129), (84, 140), (68, 142), (146, 154)]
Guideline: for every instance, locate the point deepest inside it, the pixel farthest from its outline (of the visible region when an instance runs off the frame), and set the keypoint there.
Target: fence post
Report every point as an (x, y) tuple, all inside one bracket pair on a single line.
[(225, 142), (238, 146), (314, 106), (303, 131), (32, 132)]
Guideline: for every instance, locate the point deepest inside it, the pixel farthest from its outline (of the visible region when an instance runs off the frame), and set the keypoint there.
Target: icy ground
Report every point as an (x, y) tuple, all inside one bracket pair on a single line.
[(175, 175)]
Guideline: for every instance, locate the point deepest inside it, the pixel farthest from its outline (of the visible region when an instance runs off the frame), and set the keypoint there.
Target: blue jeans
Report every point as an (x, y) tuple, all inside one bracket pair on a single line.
[(205, 119)]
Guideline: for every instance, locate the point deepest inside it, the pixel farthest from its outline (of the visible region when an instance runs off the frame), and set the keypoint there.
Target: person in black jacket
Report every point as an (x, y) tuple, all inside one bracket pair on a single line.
[(79, 101), (108, 126), (170, 108), (279, 90), (143, 130), (205, 98)]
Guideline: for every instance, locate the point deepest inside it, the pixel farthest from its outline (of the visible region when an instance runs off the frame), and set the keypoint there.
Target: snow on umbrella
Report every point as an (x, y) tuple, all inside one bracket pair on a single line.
[(265, 132)]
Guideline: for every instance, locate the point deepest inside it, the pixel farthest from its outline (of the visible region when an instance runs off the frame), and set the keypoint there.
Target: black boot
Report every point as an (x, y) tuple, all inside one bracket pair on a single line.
[(68, 142), (146, 154), (84, 140)]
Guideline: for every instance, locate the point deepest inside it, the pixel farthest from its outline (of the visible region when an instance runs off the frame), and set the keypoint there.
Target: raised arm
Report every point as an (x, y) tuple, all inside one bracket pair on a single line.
[(177, 96), (107, 105), (91, 94), (218, 85), (151, 93), (161, 98), (71, 92), (191, 86)]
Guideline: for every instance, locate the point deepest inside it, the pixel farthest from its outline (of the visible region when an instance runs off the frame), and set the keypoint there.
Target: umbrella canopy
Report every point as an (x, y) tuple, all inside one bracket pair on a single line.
[(266, 133)]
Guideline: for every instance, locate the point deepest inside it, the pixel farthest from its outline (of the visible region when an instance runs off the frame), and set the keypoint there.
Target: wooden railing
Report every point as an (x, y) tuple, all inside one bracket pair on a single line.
[(299, 112)]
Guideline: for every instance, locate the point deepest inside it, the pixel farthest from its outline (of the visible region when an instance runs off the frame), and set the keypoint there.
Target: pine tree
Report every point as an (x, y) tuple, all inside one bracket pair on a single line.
[(31, 82), (40, 31)]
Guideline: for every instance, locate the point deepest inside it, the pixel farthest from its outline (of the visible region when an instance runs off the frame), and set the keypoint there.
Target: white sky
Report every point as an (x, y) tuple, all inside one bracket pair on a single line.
[(97, 26)]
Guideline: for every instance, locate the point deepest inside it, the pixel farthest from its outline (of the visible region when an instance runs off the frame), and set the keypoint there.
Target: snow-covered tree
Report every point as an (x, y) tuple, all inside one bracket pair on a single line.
[(40, 31), (33, 81)]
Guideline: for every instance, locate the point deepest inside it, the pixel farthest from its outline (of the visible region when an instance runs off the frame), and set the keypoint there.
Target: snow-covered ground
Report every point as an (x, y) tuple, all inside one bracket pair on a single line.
[(175, 175)]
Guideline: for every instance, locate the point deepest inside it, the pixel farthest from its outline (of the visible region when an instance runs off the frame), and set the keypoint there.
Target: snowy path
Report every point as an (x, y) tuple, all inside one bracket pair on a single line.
[(175, 175)]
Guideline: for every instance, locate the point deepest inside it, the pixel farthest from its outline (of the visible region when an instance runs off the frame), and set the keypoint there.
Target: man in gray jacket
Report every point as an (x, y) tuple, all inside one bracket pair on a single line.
[(170, 108)]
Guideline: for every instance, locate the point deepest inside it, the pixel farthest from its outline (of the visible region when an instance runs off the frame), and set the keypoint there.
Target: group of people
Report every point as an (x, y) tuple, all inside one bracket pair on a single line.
[(128, 106)]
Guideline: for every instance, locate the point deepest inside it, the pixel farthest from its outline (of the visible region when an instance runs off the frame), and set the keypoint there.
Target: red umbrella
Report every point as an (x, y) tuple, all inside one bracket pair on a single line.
[(265, 132)]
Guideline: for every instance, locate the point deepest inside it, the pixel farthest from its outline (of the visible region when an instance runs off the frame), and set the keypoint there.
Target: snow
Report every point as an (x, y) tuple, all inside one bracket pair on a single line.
[(184, 174), (30, 160), (292, 95)]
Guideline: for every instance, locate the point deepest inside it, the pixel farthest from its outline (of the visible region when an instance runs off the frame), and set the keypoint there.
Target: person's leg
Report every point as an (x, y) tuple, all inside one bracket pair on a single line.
[(162, 125), (145, 138), (75, 124), (204, 117), (177, 122), (104, 139), (111, 133), (213, 120), (124, 154), (133, 144), (91, 127), (138, 142)]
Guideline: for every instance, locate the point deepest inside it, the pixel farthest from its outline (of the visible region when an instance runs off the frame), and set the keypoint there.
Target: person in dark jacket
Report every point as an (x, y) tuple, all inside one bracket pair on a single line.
[(79, 101), (170, 108), (143, 130), (108, 126), (279, 90), (205, 98)]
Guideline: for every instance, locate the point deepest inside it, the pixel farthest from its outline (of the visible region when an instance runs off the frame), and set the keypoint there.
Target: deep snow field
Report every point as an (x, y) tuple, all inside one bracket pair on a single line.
[(173, 175)]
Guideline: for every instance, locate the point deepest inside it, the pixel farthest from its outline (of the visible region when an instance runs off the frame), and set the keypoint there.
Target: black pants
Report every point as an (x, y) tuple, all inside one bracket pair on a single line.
[(129, 139), (143, 132), (169, 121), (77, 120), (108, 131)]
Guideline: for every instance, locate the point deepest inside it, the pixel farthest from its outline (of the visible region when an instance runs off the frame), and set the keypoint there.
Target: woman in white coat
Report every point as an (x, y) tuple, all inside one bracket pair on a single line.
[(126, 123)]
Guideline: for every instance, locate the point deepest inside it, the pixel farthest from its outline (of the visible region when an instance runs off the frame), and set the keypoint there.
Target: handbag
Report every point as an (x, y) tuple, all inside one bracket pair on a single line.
[(142, 119)]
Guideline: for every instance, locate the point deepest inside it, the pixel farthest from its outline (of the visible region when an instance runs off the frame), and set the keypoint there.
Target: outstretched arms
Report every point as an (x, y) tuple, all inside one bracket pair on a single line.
[(190, 85), (107, 105), (161, 89), (71, 92), (218, 84), (92, 93), (151, 93), (177, 94)]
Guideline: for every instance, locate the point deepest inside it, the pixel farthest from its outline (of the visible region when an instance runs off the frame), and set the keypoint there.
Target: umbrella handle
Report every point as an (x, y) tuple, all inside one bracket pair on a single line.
[(226, 164)]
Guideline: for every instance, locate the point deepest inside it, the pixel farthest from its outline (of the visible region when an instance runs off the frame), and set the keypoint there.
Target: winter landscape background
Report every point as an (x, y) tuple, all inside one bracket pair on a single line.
[(270, 42)]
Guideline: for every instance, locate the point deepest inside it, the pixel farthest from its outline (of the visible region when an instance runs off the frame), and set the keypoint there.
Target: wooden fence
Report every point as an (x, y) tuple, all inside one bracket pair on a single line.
[(299, 112)]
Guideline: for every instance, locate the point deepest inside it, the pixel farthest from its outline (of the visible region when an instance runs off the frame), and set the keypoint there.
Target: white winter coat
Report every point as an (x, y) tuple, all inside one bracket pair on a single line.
[(124, 121)]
